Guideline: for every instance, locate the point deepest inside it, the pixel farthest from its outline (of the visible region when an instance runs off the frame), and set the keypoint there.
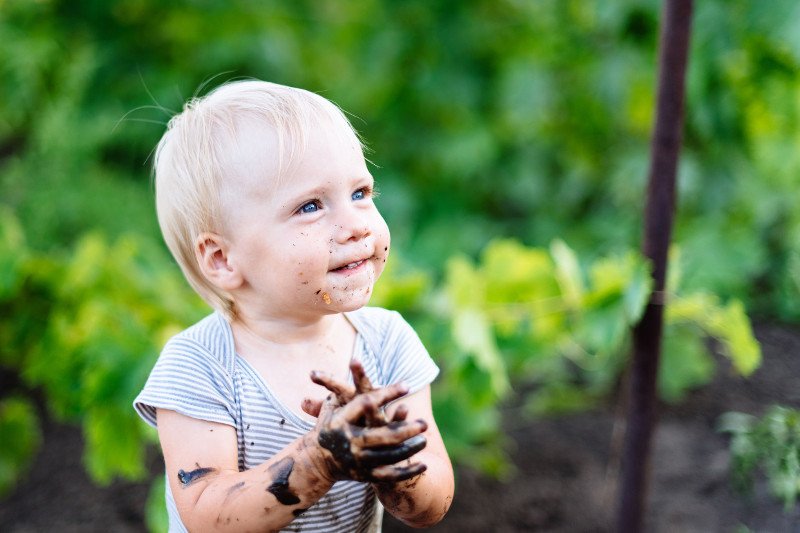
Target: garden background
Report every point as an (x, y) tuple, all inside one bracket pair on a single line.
[(510, 142)]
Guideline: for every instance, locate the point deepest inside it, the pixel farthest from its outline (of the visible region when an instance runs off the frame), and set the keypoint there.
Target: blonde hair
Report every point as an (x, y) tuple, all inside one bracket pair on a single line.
[(189, 161)]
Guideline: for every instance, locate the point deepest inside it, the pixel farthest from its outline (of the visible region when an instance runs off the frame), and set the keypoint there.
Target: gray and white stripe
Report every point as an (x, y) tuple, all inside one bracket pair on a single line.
[(198, 374)]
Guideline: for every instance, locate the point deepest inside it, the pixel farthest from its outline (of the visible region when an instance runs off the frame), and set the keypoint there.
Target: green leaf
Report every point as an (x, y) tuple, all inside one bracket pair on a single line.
[(514, 273), (568, 273), (400, 288), (464, 285), (469, 431), (772, 443), (20, 438), (114, 444), (729, 324), (472, 332), (603, 329), (13, 254), (685, 363), (625, 277), (738, 342), (638, 289), (733, 422)]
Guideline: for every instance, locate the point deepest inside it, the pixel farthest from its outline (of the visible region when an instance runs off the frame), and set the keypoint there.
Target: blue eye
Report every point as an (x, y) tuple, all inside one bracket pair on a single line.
[(361, 193), (310, 207)]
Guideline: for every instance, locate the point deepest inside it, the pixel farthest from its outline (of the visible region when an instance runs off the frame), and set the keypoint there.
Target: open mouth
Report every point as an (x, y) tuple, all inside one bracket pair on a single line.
[(350, 266)]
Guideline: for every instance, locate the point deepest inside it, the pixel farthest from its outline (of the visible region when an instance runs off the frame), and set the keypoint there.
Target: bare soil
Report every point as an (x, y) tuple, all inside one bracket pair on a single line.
[(565, 477)]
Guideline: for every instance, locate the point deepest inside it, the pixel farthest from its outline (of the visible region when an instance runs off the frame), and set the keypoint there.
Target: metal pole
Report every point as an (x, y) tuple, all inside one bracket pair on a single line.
[(659, 211)]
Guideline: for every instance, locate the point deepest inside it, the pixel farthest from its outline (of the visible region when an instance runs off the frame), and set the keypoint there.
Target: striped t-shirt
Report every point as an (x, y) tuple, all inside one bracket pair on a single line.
[(199, 375)]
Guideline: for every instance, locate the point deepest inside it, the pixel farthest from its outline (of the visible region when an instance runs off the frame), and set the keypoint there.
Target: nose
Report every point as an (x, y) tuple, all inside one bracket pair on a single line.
[(352, 225)]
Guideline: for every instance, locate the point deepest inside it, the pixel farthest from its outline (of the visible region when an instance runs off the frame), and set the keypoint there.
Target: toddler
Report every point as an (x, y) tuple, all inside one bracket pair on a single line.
[(278, 411)]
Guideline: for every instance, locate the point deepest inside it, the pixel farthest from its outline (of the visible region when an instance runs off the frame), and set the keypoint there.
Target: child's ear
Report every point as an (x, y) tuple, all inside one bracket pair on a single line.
[(212, 257)]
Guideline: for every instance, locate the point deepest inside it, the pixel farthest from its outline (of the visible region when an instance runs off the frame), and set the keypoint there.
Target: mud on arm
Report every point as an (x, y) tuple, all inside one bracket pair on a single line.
[(212, 495)]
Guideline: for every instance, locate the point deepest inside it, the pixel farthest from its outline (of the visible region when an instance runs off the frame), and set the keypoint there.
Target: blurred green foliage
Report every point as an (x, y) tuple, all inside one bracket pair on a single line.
[(487, 118), (84, 328), (770, 443), (524, 119), (557, 331), (19, 439)]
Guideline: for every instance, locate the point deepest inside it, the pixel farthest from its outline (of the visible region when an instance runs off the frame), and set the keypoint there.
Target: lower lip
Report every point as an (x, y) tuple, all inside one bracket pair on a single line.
[(350, 271)]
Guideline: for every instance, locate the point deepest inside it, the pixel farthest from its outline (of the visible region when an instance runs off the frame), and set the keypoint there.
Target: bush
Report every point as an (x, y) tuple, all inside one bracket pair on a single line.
[(770, 443)]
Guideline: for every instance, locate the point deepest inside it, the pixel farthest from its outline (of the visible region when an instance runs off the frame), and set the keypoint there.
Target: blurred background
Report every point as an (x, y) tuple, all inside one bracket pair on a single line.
[(510, 142)]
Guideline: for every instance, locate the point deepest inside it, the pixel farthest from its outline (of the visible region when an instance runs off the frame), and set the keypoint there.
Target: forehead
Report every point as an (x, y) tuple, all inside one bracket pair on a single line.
[(250, 149), (257, 154)]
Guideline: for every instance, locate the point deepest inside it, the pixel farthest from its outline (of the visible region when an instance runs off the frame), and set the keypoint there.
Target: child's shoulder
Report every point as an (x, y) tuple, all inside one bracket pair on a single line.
[(375, 320), (209, 338), (203, 331), (378, 325), (373, 314)]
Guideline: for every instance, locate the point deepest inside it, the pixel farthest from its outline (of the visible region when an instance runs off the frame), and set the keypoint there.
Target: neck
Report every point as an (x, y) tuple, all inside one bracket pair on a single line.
[(271, 331)]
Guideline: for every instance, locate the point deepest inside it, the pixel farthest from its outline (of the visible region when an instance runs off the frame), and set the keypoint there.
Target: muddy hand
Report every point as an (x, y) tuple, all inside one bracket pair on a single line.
[(345, 394), (369, 453)]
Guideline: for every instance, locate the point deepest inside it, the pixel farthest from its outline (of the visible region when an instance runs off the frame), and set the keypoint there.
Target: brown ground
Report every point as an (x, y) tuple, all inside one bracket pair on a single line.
[(564, 482)]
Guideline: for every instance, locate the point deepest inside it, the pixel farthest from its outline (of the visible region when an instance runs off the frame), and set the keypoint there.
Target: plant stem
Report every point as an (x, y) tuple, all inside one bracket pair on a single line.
[(659, 211)]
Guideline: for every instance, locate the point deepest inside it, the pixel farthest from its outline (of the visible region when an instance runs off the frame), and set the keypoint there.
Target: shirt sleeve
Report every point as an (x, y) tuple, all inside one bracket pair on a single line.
[(405, 357), (187, 379)]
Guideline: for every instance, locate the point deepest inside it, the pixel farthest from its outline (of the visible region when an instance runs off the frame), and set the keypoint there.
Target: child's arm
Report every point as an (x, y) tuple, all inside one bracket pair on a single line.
[(211, 494), (420, 501)]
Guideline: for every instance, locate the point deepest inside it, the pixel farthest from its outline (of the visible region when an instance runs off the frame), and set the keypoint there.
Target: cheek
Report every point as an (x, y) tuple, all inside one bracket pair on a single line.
[(383, 247), (382, 235), (305, 258)]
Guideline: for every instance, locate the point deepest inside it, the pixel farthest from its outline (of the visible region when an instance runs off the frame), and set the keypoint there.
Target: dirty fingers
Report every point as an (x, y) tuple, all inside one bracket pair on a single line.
[(362, 443)]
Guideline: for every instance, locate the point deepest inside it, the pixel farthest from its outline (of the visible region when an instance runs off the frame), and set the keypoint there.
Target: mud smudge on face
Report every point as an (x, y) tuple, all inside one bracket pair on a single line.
[(187, 478), (280, 482), (326, 298)]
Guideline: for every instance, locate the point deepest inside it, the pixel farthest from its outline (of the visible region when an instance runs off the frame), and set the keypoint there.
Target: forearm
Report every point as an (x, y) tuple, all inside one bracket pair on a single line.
[(267, 497), (424, 500)]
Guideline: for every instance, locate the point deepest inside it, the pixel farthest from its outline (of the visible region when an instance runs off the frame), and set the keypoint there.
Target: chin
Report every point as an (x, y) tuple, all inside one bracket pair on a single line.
[(355, 302)]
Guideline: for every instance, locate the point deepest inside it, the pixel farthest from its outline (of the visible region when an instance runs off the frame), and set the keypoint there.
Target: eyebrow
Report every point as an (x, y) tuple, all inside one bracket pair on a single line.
[(367, 179)]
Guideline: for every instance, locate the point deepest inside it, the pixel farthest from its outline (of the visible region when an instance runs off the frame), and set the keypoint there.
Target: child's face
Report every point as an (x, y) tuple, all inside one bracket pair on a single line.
[(312, 244)]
